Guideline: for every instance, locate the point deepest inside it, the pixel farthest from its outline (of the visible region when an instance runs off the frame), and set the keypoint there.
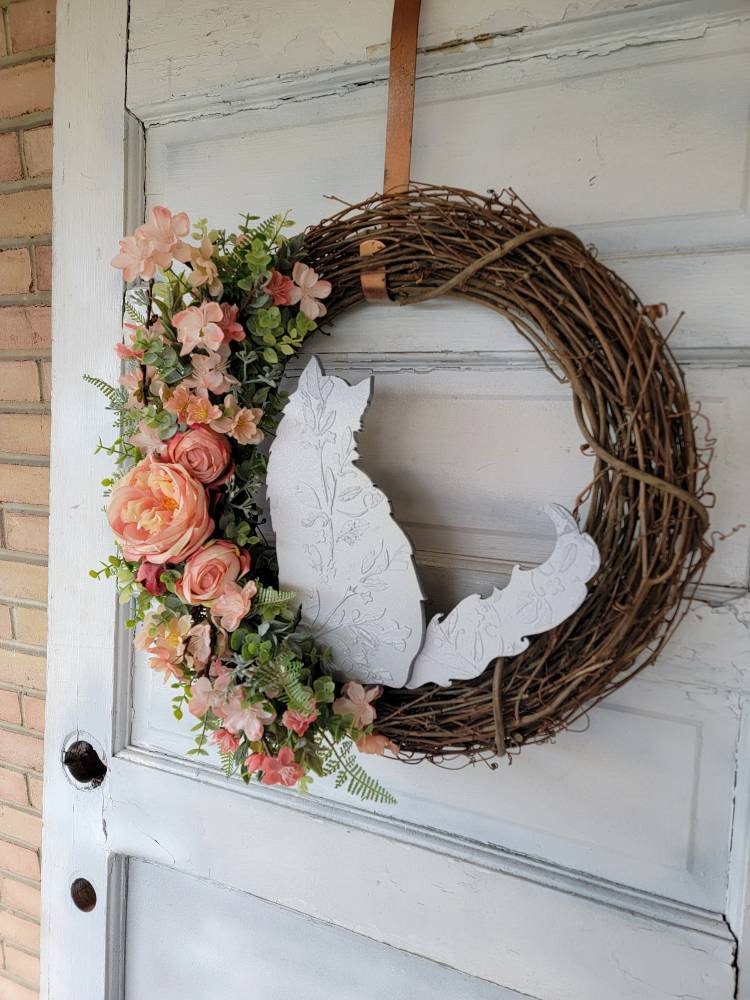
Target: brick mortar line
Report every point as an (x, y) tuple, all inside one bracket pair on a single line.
[(30, 558), (20, 689), (19, 913), (24, 772), (27, 299), (39, 510), (43, 182), (16, 406), (21, 730), (39, 651), (26, 880), (28, 121), (6, 838), (27, 56), (13, 978), (26, 810), (22, 242), (24, 356), (11, 458), (23, 602)]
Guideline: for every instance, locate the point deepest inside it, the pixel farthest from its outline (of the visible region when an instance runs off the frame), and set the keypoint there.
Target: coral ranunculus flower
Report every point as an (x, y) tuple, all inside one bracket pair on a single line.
[(205, 454), (159, 513), (209, 571)]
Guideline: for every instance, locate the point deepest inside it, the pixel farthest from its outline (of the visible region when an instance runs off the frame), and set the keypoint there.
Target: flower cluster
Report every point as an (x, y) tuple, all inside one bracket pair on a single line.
[(211, 326)]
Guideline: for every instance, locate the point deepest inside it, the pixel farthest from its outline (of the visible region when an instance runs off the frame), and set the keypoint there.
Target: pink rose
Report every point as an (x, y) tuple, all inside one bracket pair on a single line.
[(298, 722), (210, 570), (159, 513), (148, 574), (204, 453)]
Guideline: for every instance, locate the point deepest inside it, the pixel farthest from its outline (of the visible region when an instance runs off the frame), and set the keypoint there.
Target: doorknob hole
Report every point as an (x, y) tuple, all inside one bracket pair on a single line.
[(84, 764), (83, 894)]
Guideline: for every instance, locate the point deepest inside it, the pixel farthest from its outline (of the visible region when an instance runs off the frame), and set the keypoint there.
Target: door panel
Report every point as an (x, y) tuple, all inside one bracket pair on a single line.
[(611, 864)]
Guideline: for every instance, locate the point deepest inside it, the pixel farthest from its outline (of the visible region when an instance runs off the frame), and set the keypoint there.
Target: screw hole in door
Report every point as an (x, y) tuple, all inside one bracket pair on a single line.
[(84, 764), (83, 894)]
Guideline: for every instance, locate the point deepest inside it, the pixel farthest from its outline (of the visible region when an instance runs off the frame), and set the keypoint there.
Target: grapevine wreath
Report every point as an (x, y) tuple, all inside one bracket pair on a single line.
[(211, 327)]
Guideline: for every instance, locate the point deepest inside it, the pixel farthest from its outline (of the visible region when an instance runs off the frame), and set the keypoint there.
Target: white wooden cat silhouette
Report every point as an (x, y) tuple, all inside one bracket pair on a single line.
[(337, 544), (340, 549)]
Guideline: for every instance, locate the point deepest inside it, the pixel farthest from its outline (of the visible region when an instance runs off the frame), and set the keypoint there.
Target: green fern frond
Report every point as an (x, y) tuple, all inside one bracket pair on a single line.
[(357, 781), (115, 394), (267, 596), (134, 314), (228, 764)]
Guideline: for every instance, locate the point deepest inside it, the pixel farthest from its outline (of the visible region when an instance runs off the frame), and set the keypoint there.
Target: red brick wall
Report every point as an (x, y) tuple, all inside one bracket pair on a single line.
[(27, 31)]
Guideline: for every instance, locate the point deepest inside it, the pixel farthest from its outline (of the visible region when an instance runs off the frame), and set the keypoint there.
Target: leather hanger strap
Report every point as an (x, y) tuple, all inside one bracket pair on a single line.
[(398, 135)]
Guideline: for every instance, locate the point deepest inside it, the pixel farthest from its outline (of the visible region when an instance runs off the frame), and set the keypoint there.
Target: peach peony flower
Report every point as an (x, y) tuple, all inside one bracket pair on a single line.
[(209, 374), (279, 287), (198, 326), (233, 604), (205, 454), (204, 270), (377, 743), (226, 742), (281, 770), (308, 289), (232, 329), (209, 570), (298, 722), (248, 719), (158, 512), (356, 701), (164, 231)]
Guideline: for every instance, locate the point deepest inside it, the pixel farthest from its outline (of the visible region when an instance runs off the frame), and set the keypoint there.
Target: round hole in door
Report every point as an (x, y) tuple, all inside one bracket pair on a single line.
[(84, 764), (83, 894)]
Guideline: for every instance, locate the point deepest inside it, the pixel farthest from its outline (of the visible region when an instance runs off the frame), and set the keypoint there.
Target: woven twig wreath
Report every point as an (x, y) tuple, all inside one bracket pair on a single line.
[(645, 501)]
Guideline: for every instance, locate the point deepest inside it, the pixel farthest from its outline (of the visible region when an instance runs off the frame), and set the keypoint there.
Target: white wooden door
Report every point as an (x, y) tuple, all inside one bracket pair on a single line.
[(611, 865)]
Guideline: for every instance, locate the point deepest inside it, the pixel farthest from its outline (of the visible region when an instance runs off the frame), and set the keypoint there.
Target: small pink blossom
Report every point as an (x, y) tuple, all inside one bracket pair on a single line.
[(248, 719), (209, 374), (199, 644), (198, 326), (135, 259), (233, 604), (221, 673), (164, 231), (279, 287), (356, 701), (298, 722), (282, 770), (308, 289), (377, 743), (232, 329), (239, 423), (255, 762), (201, 410), (226, 742), (202, 697), (204, 270), (165, 641), (146, 439)]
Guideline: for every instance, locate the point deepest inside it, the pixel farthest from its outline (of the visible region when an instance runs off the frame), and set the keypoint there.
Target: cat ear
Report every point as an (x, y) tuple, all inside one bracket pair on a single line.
[(311, 376), (362, 392)]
